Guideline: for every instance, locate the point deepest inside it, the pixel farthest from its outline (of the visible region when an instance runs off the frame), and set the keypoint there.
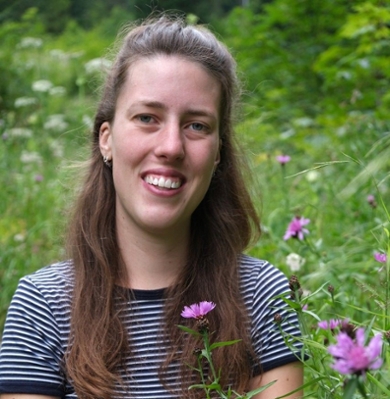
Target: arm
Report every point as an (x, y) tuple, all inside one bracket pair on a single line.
[(31, 349), (289, 377), (25, 396)]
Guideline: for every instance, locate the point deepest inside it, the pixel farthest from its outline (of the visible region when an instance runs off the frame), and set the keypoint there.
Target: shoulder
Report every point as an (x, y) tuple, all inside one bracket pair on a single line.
[(260, 275), (53, 277), (51, 286)]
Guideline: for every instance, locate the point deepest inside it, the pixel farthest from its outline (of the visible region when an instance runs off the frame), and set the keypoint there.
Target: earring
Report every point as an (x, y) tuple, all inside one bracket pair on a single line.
[(107, 162)]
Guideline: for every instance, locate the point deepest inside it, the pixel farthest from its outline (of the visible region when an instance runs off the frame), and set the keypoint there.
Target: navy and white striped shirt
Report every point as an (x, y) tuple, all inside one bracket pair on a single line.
[(37, 328)]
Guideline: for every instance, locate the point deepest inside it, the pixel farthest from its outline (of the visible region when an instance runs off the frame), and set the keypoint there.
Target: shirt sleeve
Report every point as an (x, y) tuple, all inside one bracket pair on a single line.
[(275, 343), (31, 351)]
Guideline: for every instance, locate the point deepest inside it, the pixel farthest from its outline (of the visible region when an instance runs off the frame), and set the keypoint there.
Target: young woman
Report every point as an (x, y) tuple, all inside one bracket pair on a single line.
[(161, 222)]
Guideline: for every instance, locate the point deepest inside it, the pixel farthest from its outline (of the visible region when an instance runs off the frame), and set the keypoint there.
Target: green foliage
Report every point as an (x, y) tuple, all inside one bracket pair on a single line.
[(55, 15), (316, 77), (356, 68)]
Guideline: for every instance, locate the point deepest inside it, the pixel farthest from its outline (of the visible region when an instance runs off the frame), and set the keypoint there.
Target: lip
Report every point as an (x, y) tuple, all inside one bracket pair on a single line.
[(166, 173)]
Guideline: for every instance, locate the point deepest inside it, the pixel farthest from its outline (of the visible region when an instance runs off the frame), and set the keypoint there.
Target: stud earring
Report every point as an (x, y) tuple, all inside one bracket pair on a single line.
[(107, 162)]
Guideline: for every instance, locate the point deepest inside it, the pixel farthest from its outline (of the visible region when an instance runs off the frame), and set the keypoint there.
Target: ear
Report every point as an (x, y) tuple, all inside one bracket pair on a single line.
[(105, 140)]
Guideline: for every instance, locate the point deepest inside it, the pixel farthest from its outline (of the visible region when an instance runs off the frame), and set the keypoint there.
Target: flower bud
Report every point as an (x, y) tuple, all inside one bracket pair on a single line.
[(278, 318), (348, 328), (203, 324), (294, 283)]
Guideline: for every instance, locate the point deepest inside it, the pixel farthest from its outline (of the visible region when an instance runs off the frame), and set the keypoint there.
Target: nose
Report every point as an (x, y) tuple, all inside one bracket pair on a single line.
[(170, 142)]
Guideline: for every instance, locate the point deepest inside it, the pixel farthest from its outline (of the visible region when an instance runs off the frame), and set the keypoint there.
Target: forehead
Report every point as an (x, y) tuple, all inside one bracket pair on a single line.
[(165, 76)]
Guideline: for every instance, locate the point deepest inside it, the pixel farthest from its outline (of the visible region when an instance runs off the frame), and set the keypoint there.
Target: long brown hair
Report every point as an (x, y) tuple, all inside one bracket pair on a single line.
[(222, 226)]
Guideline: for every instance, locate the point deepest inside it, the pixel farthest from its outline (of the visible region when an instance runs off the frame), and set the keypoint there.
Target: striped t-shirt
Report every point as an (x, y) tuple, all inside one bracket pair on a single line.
[(37, 328)]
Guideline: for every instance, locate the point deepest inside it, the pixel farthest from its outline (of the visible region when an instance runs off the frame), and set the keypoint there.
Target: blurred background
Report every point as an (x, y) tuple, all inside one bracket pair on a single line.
[(315, 77)]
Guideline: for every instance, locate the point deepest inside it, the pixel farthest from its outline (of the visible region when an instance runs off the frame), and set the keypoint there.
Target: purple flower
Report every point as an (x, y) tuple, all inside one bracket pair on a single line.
[(295, 229), (381, 258), (38, 178), (283, 159), (371, 201), (352, 357), (331, 324), (197, 310)]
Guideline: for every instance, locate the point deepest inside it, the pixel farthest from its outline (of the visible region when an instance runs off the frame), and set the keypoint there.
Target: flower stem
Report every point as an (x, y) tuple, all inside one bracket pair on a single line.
[(202, 377)]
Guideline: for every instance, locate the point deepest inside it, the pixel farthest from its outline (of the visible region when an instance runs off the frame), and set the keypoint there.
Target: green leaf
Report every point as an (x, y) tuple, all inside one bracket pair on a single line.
[(224, 343), (379, 384), (292, 304), (250, 394), (209, 387), (350, 388), (189, 330)]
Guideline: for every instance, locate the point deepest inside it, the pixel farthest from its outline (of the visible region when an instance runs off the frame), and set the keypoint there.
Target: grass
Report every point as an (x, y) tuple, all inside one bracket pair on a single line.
[(331, 173)]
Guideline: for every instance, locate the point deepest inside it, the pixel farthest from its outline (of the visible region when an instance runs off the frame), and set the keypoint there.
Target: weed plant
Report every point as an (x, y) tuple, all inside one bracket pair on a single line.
[(337, 177)]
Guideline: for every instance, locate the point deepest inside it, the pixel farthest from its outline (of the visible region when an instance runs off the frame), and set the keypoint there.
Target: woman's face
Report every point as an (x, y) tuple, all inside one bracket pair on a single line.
[(164, 143)]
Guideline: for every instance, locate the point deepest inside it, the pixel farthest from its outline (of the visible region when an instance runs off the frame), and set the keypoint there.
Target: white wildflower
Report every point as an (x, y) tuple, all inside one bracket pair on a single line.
[(59, 54), (341, 131), (364, 63), (287, 134), (87, 121), (295, 262), (344, 75), (30, 42), (57, 91), (312, 176), (56, 122), (30, 157), (25, 102), (303, 122), (57, 148), (97, 65), (22, 132), (42, 85), (19, 237)]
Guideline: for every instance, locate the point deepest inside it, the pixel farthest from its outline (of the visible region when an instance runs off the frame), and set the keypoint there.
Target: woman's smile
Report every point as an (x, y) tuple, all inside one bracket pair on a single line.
[(163, 142)]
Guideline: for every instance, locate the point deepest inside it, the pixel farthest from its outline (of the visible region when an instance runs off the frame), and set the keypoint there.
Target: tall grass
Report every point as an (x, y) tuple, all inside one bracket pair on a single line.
[(337, 178)]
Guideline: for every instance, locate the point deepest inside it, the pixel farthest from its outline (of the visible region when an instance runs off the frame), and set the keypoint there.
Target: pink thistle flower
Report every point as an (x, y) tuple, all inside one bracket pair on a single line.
[(331, 324), (197, 310), (381, 258), (283, 159), (352, 357), (295, 229), (371, 201)]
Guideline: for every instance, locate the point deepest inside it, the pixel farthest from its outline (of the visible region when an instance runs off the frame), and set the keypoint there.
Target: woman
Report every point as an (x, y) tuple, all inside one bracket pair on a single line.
[(160, 223)]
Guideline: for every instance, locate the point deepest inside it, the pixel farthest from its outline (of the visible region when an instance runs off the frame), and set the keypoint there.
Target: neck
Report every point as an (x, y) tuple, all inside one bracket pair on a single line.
[(153, 260)]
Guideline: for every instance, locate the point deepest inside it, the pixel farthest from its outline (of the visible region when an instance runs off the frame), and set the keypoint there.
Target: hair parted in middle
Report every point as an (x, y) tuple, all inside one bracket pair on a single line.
[(222, 226)]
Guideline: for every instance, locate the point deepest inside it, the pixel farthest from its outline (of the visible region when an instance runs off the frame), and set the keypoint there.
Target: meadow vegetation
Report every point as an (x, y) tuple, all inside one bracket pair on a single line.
[(316, 89)]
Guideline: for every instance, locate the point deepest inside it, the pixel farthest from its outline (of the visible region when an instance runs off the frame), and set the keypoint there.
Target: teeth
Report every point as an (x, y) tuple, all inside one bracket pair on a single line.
[(161, 182)]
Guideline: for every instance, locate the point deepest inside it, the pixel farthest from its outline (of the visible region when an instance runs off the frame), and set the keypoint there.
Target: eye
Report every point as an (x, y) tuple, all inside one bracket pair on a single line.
[(198, 126), (145, 118)]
